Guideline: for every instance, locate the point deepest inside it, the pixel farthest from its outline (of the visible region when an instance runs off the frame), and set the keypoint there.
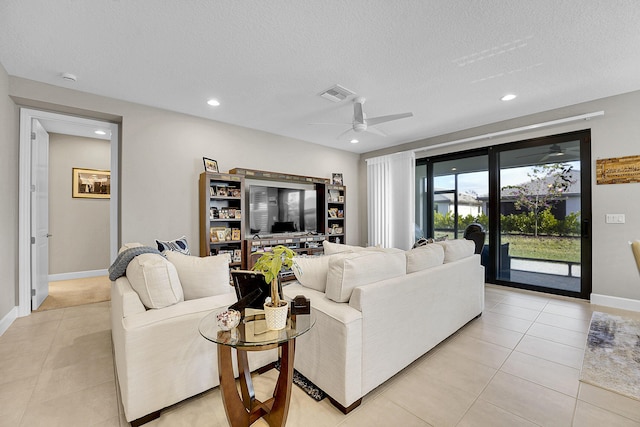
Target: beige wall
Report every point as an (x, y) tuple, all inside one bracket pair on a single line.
[(161, 158), (616, 134), (8, 198), (79, 227)]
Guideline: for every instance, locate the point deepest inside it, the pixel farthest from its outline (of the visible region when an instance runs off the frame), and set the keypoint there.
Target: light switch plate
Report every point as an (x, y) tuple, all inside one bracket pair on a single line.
[(614, 218)]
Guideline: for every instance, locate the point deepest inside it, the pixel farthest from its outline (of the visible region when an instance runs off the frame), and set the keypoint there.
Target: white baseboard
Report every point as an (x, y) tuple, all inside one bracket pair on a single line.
[(8, 319), (616, 302), (77, 275)]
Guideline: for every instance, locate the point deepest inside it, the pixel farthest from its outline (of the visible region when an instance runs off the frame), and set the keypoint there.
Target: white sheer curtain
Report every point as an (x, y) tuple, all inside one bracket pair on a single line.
[(391, 200)]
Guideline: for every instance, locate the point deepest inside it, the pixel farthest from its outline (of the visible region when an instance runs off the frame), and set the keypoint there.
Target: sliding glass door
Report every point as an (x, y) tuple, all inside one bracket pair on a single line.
[(532, 198)]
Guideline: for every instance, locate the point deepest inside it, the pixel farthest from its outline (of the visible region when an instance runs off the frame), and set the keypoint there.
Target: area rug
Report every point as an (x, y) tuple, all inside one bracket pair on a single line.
[(70, 293), (306, 385), (612, 356)]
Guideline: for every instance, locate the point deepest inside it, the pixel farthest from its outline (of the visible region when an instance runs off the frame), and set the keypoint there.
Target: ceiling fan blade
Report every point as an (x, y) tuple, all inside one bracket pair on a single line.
[(358, 115), (344, 133), (382, 119), (331, 123), (376, 131)]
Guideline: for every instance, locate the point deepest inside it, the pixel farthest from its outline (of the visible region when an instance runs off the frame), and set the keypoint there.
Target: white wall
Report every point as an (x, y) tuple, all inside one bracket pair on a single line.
[(79, 227), (614, 135), (8, 199), (161, 159)]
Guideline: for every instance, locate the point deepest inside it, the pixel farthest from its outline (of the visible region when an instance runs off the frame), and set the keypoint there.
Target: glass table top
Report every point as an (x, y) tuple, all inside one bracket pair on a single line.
[(252, 330)]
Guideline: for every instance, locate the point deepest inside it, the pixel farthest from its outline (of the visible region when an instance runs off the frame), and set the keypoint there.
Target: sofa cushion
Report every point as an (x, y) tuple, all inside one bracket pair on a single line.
[(424, 257), (336, 248), (178, 245), (155, 280), (350, 270), (311, 271), (201, 277), (457, 249)]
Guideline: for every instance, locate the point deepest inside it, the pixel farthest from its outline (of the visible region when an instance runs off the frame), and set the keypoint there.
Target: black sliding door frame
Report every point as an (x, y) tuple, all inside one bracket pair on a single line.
[(493, 205)]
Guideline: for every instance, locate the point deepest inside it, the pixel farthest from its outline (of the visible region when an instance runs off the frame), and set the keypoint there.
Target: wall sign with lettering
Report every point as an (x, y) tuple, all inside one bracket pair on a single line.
[(619, 170)]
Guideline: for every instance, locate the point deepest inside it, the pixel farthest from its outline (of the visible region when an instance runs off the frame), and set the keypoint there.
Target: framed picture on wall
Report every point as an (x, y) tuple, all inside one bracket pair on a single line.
[(336, 179), (91, 183), (210, 165)]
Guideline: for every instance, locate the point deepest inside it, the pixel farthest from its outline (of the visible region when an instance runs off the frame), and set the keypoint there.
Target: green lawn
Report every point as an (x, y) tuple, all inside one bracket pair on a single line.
[(544, 247)]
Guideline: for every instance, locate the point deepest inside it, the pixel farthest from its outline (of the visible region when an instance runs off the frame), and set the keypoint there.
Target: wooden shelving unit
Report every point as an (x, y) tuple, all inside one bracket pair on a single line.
[(335, 196), (222, 214)]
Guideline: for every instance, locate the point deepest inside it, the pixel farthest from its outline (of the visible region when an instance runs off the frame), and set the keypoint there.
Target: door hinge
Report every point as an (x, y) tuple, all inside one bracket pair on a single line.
[(33, 240), (33, 292), (33, 135)]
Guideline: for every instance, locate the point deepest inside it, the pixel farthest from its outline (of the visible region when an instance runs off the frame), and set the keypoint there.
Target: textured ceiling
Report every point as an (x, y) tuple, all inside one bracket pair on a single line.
[(448, 62)]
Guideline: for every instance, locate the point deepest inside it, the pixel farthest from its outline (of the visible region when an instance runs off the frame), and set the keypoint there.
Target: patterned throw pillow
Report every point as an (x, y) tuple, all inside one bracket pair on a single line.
[(177, 245), (424, 241)]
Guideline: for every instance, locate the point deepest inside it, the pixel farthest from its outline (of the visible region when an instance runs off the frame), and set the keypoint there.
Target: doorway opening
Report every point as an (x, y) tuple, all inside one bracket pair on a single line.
[(34, 234)]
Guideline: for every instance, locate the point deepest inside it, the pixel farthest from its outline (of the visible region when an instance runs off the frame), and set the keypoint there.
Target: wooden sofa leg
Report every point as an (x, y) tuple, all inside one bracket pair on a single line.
[(349, 408), (143, 420)]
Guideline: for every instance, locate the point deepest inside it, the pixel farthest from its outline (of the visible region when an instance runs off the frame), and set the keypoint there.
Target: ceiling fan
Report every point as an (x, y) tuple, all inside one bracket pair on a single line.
[(554, 152), (363, 124)]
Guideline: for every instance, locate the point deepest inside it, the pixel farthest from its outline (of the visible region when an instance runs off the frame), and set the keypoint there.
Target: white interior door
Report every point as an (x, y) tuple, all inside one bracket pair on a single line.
[(39, 214)]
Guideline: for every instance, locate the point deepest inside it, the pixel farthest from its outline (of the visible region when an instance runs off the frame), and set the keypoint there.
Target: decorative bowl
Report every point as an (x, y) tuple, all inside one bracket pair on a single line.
[(228, 319)]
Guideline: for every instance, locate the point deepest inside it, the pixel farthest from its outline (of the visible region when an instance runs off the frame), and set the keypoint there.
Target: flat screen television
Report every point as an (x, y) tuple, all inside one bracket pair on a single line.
[(274, 210)]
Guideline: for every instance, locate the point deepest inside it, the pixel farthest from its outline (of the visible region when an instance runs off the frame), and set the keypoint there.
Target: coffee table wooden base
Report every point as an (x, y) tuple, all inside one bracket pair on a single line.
[(243, 409)]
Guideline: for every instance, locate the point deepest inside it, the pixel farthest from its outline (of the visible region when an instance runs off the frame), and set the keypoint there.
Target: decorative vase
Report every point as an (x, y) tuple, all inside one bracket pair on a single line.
[(276, 317)]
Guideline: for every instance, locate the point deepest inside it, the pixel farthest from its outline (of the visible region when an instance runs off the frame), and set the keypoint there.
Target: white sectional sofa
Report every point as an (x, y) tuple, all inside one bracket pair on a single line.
[(160, 356), (379, 310)]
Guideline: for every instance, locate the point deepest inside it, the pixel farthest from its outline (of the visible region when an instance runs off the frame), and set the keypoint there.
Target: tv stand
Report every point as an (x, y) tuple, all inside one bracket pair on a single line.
[(302, 244)]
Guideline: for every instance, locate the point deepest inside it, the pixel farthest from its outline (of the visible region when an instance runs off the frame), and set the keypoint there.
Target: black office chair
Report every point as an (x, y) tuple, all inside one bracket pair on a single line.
[(476, 233)]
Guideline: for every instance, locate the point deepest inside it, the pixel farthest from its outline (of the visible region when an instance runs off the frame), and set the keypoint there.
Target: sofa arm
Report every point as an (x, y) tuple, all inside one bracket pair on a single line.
[(330, 354), (124, 299)]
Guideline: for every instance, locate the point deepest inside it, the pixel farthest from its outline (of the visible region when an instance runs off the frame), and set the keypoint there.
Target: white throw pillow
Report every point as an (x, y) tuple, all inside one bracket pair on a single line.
[(201, 277), (424, 257), (155, 280), (457, 249), (336, 248), (311, 271), (350, 270)]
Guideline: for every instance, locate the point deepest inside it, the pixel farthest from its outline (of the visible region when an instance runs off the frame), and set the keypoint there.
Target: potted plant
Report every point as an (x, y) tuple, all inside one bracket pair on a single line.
[(270, 264)]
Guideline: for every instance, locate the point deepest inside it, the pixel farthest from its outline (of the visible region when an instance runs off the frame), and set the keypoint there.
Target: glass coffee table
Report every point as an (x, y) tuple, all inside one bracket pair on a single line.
[(242, 408)]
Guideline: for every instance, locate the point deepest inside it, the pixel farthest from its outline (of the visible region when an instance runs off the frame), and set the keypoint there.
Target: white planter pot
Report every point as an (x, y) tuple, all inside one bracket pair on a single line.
[(276, 317)]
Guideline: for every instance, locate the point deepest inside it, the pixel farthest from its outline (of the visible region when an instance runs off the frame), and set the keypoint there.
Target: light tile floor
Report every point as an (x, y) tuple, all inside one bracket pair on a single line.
[(516, 365)]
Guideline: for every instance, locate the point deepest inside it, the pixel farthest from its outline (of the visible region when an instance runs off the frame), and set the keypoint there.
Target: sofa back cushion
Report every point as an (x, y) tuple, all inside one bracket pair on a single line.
[(457, 249), (336, 248), (424, 257), (349, 270), (201, 277), (155, 280), (311, 271)]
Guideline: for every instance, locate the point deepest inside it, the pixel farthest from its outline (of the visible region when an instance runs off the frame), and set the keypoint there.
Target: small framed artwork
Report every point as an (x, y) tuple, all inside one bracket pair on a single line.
[(91, 184), (340, 199), (210, 165), (336, 179)]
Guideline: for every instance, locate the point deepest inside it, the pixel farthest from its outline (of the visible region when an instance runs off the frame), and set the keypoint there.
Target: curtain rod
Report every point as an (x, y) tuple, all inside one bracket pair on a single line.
[(514, 130)]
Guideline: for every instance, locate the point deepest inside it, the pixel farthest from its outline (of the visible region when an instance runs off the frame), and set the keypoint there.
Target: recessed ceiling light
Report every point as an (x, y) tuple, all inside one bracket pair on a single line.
[(454, 169), (213, 102), (100, 132), (508, 97), (354, 141)]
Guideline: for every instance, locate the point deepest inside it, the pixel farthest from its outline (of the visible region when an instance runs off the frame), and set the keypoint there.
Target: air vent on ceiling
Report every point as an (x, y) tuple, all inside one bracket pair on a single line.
[(336, 93)]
